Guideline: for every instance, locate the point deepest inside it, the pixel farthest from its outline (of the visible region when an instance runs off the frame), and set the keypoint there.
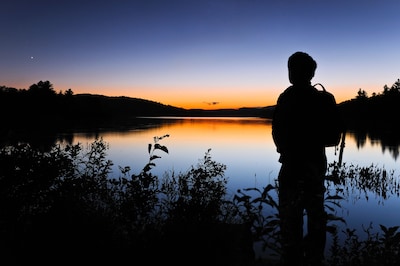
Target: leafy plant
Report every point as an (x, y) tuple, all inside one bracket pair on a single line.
[(197, 195)]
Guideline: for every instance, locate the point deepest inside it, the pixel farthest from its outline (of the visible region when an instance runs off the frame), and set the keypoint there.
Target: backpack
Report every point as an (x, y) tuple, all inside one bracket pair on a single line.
[(332, 125)]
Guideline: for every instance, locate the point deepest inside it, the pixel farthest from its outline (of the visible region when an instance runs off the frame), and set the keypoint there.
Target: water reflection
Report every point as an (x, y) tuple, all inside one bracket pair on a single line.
[(246, 147), (387, 141), (244, 144)]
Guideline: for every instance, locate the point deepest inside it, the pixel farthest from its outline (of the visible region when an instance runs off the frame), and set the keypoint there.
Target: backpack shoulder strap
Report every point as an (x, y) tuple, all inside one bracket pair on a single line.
[(319, 84), (324, 92)]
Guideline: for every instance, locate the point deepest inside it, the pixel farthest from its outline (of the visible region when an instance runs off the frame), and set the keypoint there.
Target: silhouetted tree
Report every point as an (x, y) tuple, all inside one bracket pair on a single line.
[(68, 92), (361, 94), (42, 89)]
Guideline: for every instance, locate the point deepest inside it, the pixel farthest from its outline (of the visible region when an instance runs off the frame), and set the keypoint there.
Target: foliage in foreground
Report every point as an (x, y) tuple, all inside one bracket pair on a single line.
[(65, 202)]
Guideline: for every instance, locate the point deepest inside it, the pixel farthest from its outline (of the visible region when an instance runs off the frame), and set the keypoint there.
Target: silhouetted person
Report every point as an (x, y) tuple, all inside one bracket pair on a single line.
[(295, 131)]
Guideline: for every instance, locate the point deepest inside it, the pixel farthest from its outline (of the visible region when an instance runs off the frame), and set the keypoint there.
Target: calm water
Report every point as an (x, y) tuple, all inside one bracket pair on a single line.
[(245, 146)]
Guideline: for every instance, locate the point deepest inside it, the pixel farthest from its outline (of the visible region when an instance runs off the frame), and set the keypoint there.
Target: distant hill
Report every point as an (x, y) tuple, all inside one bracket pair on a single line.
[(265, 112), (94, 105)]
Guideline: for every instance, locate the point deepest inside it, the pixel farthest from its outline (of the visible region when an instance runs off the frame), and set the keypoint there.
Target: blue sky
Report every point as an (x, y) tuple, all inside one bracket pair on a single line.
[(191, 53)]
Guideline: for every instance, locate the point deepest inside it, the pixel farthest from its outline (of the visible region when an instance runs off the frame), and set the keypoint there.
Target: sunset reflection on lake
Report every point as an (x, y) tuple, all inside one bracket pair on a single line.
[(245, 146)]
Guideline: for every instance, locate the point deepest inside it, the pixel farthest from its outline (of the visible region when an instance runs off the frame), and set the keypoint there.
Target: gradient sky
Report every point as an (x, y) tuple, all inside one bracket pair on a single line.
[(198, 53)]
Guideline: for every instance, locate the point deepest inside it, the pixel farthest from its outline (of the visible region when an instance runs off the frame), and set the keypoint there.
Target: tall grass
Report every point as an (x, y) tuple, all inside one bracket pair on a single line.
[(64, 203)]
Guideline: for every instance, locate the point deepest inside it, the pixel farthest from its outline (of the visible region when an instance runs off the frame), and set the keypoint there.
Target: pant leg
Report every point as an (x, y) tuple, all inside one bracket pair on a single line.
[(291, 212), (315, 239)]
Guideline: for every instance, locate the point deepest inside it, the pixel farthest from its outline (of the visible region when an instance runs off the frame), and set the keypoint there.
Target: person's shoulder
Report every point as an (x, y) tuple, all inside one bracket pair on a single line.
[(282, 98), (289, 90)]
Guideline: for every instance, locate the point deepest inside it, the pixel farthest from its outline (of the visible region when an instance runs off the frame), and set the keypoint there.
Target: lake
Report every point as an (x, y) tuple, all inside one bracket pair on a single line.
[(246, 147)]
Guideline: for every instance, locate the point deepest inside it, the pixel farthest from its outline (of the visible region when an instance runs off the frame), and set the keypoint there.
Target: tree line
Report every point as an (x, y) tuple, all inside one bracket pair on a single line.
[(378, 112)]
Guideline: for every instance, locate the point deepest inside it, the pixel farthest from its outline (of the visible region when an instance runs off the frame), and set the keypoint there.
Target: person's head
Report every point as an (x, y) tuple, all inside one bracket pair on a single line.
[(301, 68)]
